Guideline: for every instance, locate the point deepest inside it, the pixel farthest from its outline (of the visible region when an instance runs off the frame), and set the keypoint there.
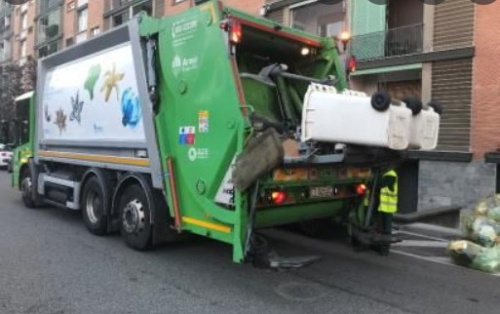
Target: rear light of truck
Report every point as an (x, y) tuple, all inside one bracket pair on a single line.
[(351, 64), (361, 189), (235, 32), (278, 197)]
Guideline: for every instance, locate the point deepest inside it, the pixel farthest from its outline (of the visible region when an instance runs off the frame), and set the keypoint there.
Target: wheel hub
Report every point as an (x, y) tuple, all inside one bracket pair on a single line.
[(26, 185), (93, 207), (133, 217)]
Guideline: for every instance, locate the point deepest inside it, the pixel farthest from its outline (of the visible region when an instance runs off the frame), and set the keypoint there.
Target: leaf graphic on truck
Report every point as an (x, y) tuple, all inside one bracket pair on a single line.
[(92, 77), (131, 108), (111, 82)]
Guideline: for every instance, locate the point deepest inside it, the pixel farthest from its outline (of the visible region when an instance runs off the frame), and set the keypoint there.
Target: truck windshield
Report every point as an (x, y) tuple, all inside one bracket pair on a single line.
[(21, 128)]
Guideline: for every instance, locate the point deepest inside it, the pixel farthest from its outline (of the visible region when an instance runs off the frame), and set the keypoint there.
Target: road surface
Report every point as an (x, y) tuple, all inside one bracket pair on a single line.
[(49, 263)]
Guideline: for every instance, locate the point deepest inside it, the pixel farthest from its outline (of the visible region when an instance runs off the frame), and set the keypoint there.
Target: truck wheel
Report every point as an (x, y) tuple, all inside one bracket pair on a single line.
[(381, 101), (414, 104), (135, 213), (27, 188), (94, 203)]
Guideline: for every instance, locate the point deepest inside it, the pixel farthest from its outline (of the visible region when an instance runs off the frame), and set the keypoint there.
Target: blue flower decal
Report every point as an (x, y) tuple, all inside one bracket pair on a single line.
[(131, 108)]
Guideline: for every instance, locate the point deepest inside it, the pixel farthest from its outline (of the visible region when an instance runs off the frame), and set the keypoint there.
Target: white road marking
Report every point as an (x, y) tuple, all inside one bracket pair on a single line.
[(423, 236), (418, 243), (438, 260)]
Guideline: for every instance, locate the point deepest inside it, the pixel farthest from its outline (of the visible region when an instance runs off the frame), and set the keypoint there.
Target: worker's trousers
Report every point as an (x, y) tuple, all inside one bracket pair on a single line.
[(385, 222)]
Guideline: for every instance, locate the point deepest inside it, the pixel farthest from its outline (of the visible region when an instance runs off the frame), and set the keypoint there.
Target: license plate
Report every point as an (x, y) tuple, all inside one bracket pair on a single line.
[(321, 191)]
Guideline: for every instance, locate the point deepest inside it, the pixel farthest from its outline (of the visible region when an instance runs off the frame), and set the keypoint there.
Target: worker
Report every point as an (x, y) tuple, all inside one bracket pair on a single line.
[(388, 201)]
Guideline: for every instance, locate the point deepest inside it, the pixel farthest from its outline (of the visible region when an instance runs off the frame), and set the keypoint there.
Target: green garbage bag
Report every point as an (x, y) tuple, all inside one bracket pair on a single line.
[(484, 206), (468, 254), (484, 232), (494, 214)]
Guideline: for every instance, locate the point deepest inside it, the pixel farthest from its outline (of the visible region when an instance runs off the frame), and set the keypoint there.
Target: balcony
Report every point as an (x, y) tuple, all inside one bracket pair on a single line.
[(400, 41)]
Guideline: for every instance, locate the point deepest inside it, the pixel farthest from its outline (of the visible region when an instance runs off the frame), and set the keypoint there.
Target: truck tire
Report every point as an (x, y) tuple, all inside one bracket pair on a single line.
[(414, 104), (381, 101), (94, 203), (26, 187), (135, 218)]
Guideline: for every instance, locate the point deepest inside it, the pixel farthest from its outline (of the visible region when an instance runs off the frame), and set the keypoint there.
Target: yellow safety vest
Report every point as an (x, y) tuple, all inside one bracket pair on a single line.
[(388, 198)]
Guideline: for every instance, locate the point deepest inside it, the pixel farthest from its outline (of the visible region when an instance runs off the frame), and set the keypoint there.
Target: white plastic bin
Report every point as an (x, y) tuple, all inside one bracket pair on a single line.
[(425, 130), (346, 118)]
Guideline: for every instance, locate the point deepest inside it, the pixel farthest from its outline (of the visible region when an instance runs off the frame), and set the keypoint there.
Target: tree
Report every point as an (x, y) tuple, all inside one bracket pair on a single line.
[(15, 80)]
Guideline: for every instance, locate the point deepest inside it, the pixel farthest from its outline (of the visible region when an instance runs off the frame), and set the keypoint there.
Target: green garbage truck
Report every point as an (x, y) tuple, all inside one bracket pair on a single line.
[(212, 122)]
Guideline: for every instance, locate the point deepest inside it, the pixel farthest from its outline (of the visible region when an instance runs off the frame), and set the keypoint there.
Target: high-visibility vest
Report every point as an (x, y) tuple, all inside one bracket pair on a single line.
[(389, 199)]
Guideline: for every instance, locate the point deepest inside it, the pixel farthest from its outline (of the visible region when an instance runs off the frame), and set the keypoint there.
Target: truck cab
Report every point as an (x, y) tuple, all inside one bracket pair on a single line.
[(23, 136)]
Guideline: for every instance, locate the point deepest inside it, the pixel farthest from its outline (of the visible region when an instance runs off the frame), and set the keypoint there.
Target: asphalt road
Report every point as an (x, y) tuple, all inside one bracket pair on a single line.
[(49, 263)]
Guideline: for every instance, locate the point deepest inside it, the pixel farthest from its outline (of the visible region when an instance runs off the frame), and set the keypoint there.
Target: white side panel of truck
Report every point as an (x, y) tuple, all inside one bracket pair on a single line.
[(94, 98)]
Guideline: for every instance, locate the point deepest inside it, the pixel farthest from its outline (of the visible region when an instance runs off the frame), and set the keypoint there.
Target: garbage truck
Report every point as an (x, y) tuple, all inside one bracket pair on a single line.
[(211, 122)]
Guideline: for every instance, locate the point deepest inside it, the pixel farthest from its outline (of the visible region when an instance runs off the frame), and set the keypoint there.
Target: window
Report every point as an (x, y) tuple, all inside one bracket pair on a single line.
[(69, 42), (82, 20), (129, 11), (48, 49), (47, 5), (23, 48), (121, 18), (146, 7), (320, 19), (95, 31), (49, 26), (24, 21)]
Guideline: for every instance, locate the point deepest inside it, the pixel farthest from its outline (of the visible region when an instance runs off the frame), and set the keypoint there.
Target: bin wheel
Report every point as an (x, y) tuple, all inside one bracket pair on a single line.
[(135, 213), (381, 101), (414, 104), (438, 108)]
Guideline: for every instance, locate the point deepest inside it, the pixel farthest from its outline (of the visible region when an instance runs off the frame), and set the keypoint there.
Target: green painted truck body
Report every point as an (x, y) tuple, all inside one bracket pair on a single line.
[(200, 84)]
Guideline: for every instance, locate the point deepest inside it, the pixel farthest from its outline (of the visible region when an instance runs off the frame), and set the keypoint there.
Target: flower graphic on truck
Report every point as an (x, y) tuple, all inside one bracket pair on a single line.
[(111, 82), (60, 120), (93, 75), (131, 108)]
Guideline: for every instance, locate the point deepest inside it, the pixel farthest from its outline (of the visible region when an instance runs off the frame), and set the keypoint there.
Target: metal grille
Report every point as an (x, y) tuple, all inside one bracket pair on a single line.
[(399, 41)]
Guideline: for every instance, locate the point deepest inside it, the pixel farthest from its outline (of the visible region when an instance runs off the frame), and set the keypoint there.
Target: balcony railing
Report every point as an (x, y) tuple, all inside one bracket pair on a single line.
[(399, 41)]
